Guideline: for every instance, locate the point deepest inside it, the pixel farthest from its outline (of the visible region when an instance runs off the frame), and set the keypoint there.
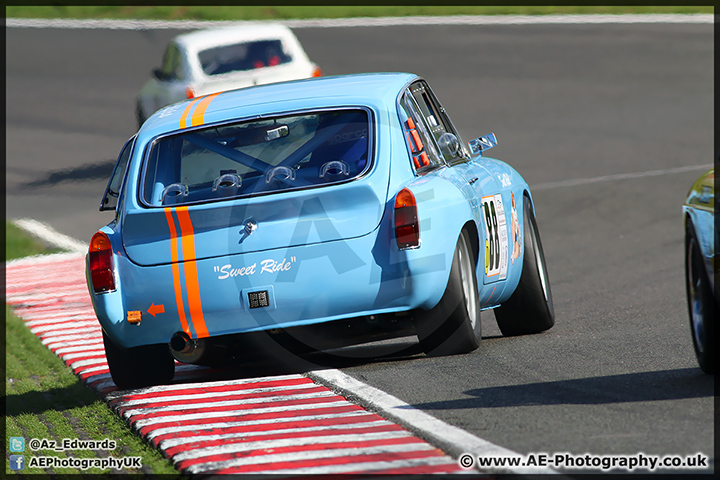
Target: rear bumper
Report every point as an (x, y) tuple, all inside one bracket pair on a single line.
[(274, 289)]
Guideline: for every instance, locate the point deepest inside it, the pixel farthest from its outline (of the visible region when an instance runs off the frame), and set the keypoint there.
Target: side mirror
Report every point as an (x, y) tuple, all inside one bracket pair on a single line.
[(449, 145), (480, 144), (157, 73)]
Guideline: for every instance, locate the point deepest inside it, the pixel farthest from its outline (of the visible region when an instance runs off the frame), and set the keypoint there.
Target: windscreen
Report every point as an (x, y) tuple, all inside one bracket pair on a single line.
[(243, 56), (258, 157)]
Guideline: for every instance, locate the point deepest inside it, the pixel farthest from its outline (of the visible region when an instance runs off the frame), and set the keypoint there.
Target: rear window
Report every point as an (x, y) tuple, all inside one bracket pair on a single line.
[(243, 56), (258, 157)]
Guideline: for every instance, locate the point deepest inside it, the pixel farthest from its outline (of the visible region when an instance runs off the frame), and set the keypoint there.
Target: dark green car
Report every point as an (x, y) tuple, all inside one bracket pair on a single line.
[(701, 268)]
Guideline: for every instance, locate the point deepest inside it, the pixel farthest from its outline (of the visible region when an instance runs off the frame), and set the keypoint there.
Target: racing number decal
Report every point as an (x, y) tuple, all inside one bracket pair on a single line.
[(492, 241), (496, 238)]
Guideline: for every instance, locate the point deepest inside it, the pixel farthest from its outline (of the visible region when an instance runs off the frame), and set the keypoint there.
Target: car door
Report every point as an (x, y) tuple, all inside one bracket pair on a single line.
[(433, 124), (170, 80), (113, 191), (480, 188)]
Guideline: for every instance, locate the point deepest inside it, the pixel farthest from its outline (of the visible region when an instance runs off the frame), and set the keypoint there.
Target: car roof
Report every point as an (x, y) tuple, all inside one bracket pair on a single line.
[(378, 90), (212, 37)]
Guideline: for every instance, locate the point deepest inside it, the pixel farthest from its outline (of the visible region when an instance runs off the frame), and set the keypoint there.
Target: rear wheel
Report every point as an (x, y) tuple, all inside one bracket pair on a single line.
[(530, 308), (453, 326), (702, 305), (139, 366)]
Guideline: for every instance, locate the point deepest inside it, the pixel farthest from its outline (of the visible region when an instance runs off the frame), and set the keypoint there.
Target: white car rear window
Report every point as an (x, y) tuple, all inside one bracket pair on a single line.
[(243, 56)]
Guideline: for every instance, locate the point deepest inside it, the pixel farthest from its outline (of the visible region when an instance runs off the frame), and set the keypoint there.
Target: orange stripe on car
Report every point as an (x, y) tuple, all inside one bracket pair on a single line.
[(198, 117), (191, 276), (174, 257), (491, 294), (186, 112)]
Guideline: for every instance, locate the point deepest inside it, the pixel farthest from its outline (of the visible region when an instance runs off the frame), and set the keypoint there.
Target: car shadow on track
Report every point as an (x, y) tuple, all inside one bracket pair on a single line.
[(82, 173), (626, 388), (278, 360)]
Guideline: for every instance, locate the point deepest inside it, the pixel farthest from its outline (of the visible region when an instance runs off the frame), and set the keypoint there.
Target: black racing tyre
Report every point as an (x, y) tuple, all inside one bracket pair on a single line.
[(453, 325), (702, 304), (530, 308), (139, 366)]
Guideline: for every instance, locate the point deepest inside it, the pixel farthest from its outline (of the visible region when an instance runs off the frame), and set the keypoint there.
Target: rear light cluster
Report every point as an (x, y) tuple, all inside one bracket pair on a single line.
[(407, 230), (189, 92), (316, 71), (101, 263)]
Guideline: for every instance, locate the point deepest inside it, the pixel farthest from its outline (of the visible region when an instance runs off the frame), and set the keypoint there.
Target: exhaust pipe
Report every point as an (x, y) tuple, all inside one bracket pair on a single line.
[(186, 349)]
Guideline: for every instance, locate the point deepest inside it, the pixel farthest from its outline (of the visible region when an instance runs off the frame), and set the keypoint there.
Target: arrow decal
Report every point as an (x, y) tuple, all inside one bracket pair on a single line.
[(155, 309)]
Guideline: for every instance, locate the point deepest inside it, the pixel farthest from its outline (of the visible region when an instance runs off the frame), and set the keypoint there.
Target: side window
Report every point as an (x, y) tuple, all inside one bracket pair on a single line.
[(172, 63), (112, 192), (436, 120), (423, 149), (177, 67)]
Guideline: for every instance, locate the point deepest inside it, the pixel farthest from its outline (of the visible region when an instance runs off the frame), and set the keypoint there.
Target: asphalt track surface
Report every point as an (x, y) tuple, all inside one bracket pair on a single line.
[(576, 108)]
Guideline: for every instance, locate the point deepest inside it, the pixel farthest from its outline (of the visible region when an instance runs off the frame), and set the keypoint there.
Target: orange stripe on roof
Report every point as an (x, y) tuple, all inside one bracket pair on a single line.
[(191, 275), (198, 117), (176, 271), (186, 112)]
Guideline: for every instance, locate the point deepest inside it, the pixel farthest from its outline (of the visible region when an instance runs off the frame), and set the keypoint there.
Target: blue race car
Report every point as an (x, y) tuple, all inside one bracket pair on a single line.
[(320, 212)]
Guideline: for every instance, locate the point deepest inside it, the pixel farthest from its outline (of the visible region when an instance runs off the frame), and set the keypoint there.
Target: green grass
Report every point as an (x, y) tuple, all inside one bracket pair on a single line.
[(45, 400), (18, 244), (196, 12)]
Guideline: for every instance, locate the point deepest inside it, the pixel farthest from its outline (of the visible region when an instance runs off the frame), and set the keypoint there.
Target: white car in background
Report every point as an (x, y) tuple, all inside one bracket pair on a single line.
[(225, 58)]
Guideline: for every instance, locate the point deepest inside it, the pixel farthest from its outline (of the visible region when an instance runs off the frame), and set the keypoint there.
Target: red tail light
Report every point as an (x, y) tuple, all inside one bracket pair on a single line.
[(101, 263), (189, 92), (407, 230), (317, 72)]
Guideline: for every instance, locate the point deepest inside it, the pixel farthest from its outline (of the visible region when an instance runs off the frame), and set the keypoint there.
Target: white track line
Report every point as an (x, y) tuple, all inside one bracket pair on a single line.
[(619, 176), (451, 439), (48, 234), (699, 18)]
